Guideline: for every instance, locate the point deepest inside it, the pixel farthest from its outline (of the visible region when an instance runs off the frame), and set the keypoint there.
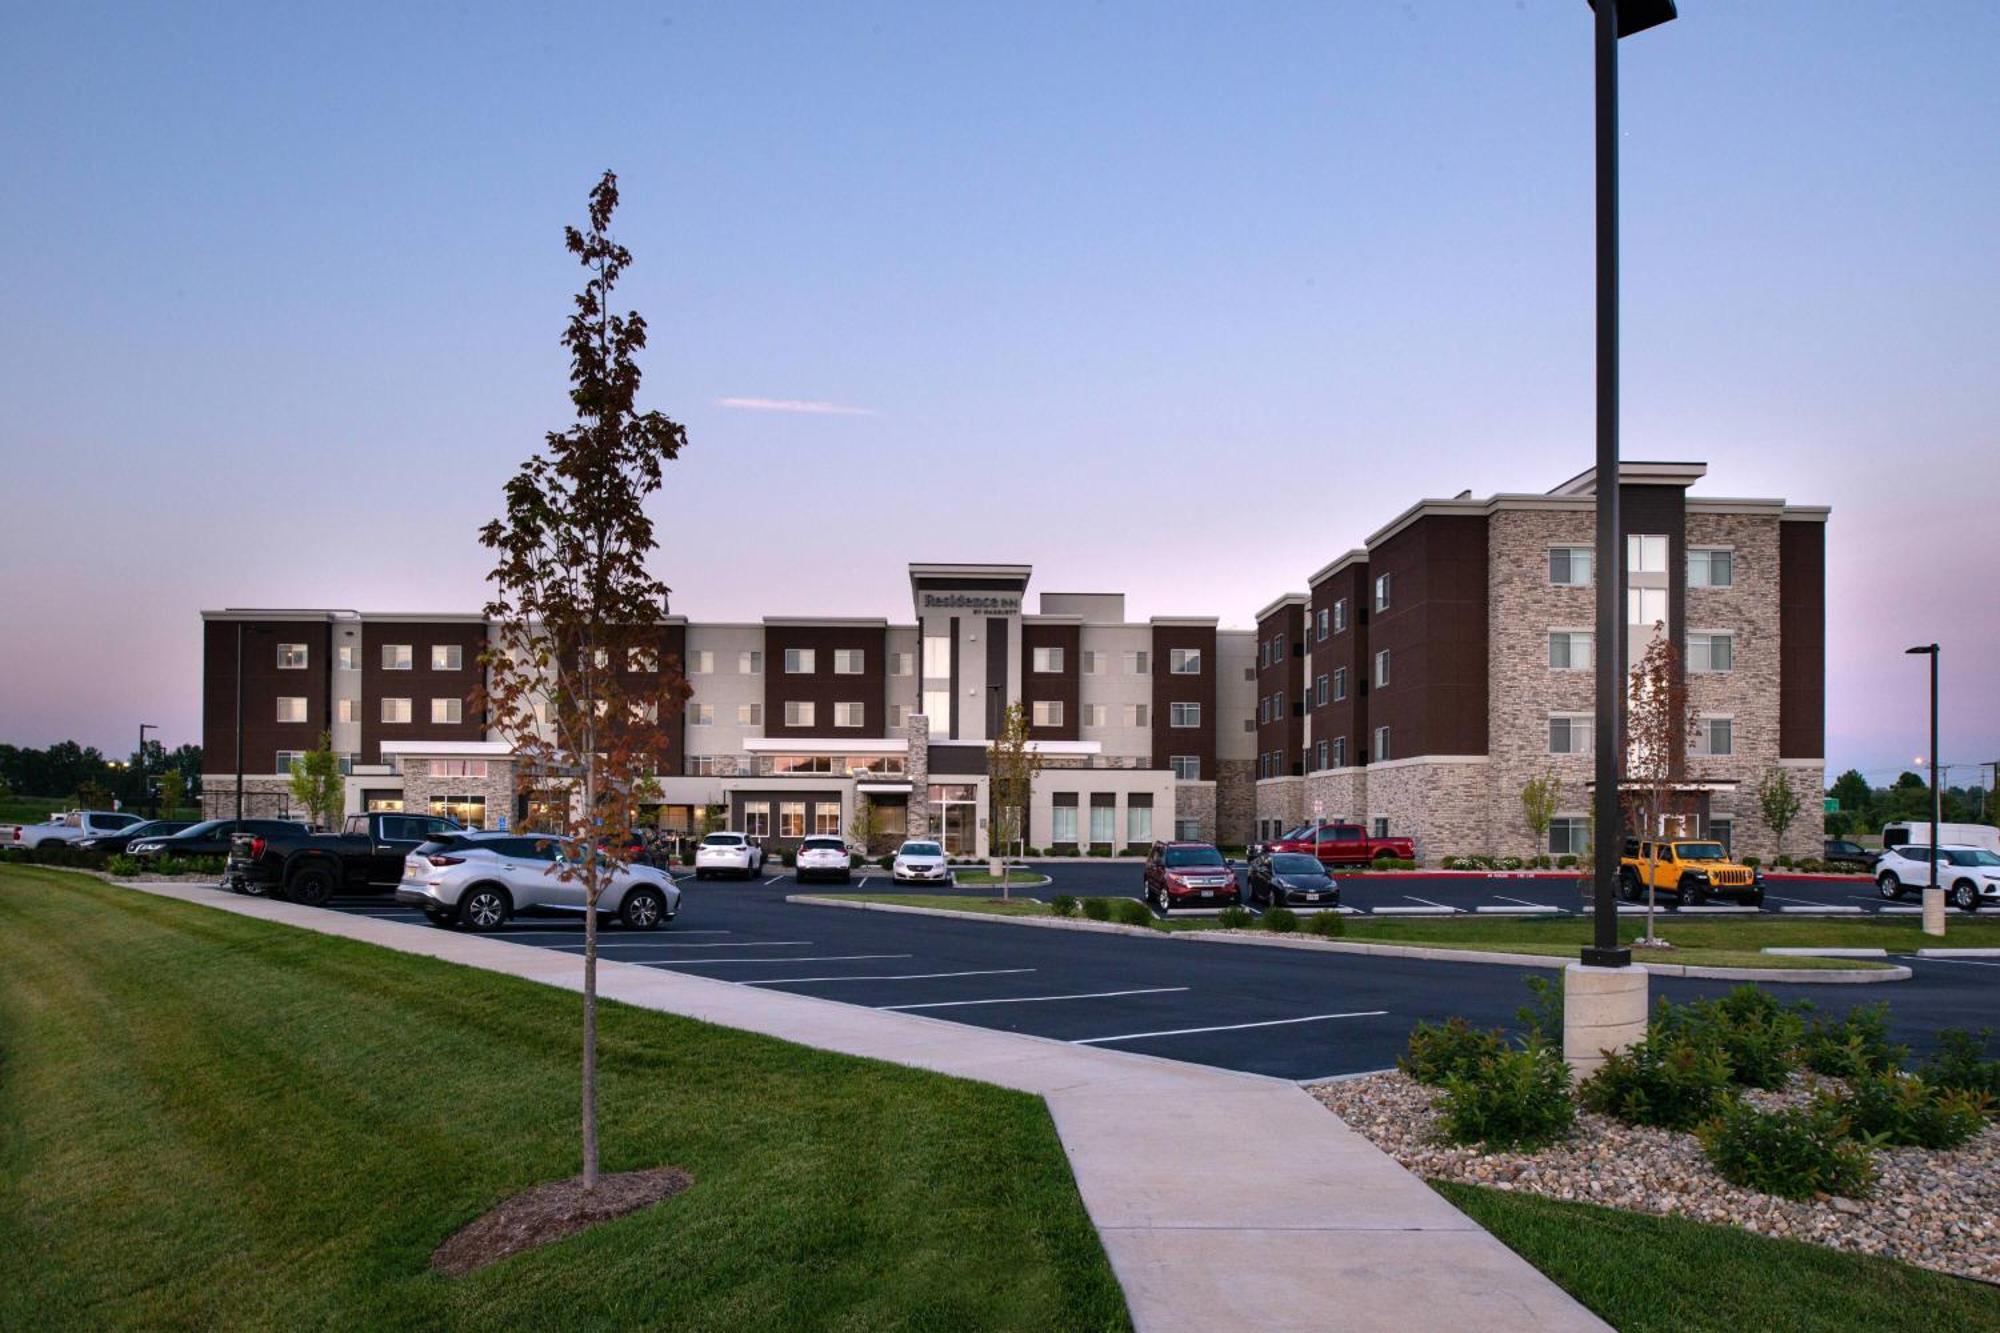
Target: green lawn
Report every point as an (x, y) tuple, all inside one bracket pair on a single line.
[(208, 1121), (1642, 1273)]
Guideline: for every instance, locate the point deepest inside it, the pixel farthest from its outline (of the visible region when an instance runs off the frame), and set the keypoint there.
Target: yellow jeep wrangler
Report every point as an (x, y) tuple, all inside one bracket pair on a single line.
[(1695, 869)]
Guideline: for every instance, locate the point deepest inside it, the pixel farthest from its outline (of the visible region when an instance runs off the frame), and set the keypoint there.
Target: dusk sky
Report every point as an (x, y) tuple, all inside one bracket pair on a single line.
[(1176, 300)]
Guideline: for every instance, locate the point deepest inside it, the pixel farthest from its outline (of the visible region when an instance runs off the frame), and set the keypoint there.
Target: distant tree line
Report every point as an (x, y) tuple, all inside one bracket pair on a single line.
[(69, 771), (1865, 809)]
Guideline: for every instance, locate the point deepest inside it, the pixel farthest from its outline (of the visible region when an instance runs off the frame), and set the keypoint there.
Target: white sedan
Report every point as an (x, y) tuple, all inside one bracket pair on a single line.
[(1969, 876), (920, 863), (727, 854)]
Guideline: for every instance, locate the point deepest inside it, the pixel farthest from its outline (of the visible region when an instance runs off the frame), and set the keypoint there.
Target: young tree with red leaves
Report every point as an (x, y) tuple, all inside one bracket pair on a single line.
[(577, 681), (1659, 718)]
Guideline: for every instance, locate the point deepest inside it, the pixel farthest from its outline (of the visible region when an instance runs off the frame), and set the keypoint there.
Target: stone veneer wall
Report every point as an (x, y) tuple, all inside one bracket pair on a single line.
[(1442, 804), (1342, 794), (917, 732), (1282, 799), (1235, 801), (421, 786), (264, 797), (1192, 800)]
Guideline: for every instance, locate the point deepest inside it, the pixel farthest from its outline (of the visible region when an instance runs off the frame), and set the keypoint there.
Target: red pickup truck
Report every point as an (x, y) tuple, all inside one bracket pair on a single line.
[(1341, 844)]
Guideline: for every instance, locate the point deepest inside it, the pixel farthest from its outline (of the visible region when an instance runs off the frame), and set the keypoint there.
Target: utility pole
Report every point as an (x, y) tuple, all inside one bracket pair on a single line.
[(239, 722)]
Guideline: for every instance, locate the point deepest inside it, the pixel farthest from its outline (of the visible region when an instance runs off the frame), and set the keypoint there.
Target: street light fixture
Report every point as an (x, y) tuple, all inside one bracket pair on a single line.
[(1614, 20), (1933, 892)]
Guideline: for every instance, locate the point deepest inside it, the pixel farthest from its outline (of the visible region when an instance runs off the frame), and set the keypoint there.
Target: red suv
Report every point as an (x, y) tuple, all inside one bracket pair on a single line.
[(1340, 844), (1189, 874)]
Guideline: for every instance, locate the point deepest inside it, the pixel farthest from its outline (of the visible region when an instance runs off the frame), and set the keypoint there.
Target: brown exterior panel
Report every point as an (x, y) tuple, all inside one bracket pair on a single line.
[(420, 684), (1802, 640), (263, 685), (1343, 648), (1064, 687), (1434, 630), (1169, 689), (1283, 675), (822, 688)]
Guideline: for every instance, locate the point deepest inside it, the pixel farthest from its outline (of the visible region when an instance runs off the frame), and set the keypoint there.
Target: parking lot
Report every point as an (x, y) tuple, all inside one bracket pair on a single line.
[(1290, 1013)]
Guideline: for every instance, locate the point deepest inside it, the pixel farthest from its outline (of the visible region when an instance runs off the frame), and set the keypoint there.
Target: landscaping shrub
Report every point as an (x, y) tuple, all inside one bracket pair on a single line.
[(1541, 861), (1439, 1052), (1753, 861), (1100, 851), (1327, 924), (1566, 862), (1513, 1099), (1063, 904), (1758, 1035), (1233, 917), (1280, 920), (1541, 1018), (1510, 863), (1784, 861), (1382, 860), (1960, 1062), (1671, 1079), (1132, 912), (886, 861), (1905, 1110), (1097, 909), (1854, 1045), (122, 865), (62, 854), (1793, 1153)]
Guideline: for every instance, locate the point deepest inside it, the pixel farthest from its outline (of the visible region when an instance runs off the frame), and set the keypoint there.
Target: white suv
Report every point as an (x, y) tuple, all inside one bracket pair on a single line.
[(1968, 875), (727, 854), (824, 857), (920, 863), (480, 880)]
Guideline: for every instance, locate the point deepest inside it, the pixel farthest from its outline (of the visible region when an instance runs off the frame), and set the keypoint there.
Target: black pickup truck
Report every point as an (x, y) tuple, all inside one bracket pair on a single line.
[(310, 868)]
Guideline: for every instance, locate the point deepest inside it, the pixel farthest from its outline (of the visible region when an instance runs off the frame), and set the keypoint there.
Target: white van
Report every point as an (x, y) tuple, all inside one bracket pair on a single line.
[(1949, 835)]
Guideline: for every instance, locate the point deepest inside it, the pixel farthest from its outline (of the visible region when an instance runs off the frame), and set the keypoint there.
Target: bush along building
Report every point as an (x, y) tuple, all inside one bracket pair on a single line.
[(1422, 680), (796, 725)]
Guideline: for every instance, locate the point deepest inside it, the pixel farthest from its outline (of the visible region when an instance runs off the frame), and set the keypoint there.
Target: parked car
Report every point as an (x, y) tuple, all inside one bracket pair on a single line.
[(1339, 844), (209, 838), (1841, 852), (482, 880), (727, 854), (920, 862), (309, 868), (118, 840), (1189, 874), (1292, 879), (1692, 869), (1968, 875), (1949, 835), (70, 827), (823, 858)]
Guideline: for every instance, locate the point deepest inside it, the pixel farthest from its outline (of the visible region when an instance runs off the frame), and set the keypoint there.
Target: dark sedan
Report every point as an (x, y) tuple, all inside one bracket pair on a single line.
[(1840, 852), (118, 840), (1292, 879), (209, 838)]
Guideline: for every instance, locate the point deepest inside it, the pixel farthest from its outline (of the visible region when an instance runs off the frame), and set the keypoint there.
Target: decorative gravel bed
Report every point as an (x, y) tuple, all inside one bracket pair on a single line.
[(1939, 1210)]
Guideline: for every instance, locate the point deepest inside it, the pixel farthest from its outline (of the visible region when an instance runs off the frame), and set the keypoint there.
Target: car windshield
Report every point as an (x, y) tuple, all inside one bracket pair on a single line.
[(822, 845), (1973, 858), (1701, 851), (1293, 864), (723, 840), (1183, 857), (206, 828), (921, 849)]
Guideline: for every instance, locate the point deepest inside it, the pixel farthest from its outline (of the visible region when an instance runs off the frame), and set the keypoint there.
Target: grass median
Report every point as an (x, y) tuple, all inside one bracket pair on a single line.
[(207, 1120), (1642, 1273)]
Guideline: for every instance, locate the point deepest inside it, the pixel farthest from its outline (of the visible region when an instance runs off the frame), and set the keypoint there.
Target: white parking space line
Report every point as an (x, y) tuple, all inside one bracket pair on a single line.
[(1903, 909), (1411, 897), (1781, 898), (902, 976), (1228, 1027), (1527, 909), (1036, 999), (1525, 903), (670, 944), (1962, 962), (1822, 908), (787, 960), (773, 880), (572, 933), (1413, 911)]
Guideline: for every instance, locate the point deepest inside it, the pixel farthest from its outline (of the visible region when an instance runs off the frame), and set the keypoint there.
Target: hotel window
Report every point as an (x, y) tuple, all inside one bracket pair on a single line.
[(347, 710), (395, 710), (447, 712), (347, 658), (1094, 715), (1187, 830), (701, 715), (701, 662), (398, 656), (1711, 568), (1382, 592), (1263, 653), (1646, 606), (291, 657), (1090, 660), (701, 765), (1183, 715), (447, 657), (1381, 668), (1570, 733), (1381, 823), (791, 819), (1711, 651), (897, 712), (1569, 835), (1325, 623), (757, 819), (849, 715), (1645, 554), (937, 708), (1381, 744), (1186, 767), (642, 661), (1048, 713), (1724, 832), (1139, 817), (458, 768), (286, 758), (1103, 817), (937, 656), (291, 708), (1339, 684), (600, 658), (750, 662), (1569, 566), (466, 809), (1321, 691), (1340, 615), (1048, 660), (1569, 650), (1714, 736), (1138, 663), (900, 664), (1278, 647), (1138, 715), (1062, 817), (646, 711), (799, 662), (1184, 661), (826, 820), (749, 715), (1339, 752), (798, 712), (1319, 755), (848, 661)]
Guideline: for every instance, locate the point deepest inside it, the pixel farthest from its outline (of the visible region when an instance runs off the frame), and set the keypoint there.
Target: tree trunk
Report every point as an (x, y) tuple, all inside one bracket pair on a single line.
[(590, 892)]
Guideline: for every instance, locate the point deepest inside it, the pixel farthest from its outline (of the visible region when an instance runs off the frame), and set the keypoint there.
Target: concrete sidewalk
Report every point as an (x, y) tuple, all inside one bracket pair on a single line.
[(1225, 1200)]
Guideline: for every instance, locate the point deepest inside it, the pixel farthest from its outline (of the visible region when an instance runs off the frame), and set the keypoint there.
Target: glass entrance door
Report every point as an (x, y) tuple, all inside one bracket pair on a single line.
[(955, 818)]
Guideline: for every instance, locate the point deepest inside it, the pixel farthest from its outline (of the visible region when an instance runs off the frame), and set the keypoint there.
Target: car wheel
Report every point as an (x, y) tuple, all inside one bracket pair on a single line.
[(1628, 885), (484, 907), (1964, 896), (1693, 894), (699, 873), (310, 886), (643, 909), (1164, 906), (437, 916), (1889, 886)]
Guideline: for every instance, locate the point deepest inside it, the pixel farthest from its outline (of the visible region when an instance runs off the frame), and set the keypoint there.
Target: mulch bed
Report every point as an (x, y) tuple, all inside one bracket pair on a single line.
[(553, 1212)]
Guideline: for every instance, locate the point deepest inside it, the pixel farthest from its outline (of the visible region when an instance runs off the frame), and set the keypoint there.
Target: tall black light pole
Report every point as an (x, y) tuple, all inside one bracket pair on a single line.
[(144, 795), (239, 722), (1930, 650), (1614, 20)]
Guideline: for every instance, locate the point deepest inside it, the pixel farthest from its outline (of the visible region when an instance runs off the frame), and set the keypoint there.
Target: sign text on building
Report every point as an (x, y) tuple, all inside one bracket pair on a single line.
[(972, 601)]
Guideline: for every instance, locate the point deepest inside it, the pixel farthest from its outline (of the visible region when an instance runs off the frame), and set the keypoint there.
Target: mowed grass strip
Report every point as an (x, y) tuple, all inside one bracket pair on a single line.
[(207, 1120), (1646, 1274)]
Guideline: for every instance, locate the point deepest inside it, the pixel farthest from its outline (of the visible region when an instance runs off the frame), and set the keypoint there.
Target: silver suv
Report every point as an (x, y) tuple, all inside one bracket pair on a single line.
[(480, 880)]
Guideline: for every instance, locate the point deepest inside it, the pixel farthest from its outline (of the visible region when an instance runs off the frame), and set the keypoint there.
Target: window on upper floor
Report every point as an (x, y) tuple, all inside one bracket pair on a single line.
[(1646, 606), (701, 715), (1138, 663), (1569, 649), (291, 708), (1711, 567), (447, 657), (700, 662), (1320, 694), (1048, 712), (849, 661), (701, 765), (1048, 660), (799, 712), (1324, 623), (1138, 715), (291, 657), (1339, 684), (1381, 668), (1569, 835), (1569, 566), (937, 656), (1339, 615), (447, 712), (1570, 733), (1714, 737), (1090, 661), (1381, 744), (347, 657), (1183, 715), (1337, 756), (1184, 661), (398, 656), (1381, 592), (347, 710), (395, 710), (1094, 715), (850, 715), (750, 662), (749, 715), (1645, 553), (1711, 651), (1186, 767), (801, 662)]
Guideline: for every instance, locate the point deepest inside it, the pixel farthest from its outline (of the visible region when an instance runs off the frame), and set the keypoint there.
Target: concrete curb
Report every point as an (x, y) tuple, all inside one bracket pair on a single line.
[(1958, 953), (1833, 976), (1301, 1219)]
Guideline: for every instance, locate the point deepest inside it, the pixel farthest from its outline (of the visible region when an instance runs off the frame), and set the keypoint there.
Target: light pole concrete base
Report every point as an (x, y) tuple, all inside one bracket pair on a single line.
[(1604, 1009), (1934, 912)]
